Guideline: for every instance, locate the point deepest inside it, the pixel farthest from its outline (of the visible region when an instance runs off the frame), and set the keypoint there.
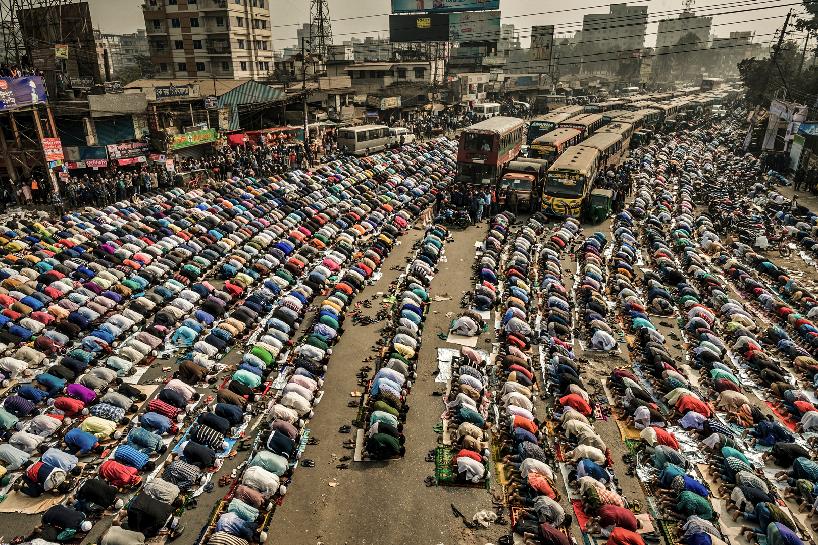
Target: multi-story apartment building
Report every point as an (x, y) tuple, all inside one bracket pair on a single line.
[(123, 50), (210, 38)]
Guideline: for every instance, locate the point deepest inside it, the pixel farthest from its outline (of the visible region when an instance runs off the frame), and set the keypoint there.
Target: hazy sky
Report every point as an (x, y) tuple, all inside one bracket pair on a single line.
[(368, 16)]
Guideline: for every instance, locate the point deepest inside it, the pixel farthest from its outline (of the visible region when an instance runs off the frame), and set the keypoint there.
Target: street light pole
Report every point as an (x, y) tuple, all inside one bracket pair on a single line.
[(304, 87)]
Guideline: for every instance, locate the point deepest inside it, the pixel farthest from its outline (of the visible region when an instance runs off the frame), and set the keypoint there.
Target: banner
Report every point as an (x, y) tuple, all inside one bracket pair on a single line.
[(193, 138), (404, 6), (384, 103), (127, 150), (60, 51), (474, 26), (18, 92), (52, 147), (542, 40), (432, 27)]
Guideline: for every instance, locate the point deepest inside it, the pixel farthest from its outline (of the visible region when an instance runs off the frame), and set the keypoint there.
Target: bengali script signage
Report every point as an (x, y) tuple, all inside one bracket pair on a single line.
[(193, 138), (127, 150), (52, 147)]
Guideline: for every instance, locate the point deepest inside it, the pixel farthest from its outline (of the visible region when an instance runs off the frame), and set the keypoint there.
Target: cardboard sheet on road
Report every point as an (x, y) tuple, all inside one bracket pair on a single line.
[(16, 502), (462, 340)]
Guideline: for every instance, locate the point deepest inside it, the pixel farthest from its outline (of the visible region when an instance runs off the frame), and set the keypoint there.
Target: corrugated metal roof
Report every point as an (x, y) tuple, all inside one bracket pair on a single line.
[(251, 92)]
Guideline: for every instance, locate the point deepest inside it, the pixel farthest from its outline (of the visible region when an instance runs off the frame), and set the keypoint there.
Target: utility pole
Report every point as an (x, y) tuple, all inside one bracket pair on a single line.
[(776, 49), (304, 86)]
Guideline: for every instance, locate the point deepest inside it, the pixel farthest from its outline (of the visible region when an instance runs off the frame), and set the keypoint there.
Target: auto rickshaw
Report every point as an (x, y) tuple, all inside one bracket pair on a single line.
[(600, 203)]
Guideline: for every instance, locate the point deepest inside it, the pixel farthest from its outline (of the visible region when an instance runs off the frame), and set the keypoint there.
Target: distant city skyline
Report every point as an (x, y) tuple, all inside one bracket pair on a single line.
[(125, 16)]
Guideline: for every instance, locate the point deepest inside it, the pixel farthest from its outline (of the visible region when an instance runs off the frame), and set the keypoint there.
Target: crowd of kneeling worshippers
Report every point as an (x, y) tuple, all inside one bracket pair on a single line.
[(90, 299), (386, 403), (503, 269), (698, 427), (693, 443)]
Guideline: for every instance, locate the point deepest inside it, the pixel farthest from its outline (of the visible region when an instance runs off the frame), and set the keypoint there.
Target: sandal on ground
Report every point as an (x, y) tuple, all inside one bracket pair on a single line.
[(308, 462)]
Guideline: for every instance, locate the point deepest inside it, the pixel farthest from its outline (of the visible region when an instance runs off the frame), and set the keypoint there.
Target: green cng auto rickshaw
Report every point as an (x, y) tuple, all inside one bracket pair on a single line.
[(599, 205)]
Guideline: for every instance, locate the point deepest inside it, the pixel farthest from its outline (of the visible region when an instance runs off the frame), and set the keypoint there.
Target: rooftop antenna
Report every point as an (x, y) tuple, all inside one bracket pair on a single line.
[(688, 5)]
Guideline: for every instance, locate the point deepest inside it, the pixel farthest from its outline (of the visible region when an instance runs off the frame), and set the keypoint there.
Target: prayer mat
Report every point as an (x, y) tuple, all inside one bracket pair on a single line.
[(786, 420), (445, 473)]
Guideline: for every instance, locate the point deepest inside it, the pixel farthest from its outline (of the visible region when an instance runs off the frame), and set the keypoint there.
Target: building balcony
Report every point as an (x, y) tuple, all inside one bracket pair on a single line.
[(163, 30), (213, 28), (210, 5), (219, 50), (151, 7)]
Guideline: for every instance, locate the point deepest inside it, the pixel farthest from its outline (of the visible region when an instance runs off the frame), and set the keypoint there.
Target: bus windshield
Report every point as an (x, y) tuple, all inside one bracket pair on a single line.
[(569, 185), (475, 173), (477, 141)]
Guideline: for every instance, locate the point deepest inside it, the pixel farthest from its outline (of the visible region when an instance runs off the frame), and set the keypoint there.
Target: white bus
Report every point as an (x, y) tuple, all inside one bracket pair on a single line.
[(364, 139), (396, 133), (486, 110)]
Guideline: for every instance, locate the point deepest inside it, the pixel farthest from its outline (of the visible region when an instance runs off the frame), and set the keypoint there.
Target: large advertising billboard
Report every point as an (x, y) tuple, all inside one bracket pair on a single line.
[(406, 6), (542, 41), (18, 92), (474, 26), (428, 27)]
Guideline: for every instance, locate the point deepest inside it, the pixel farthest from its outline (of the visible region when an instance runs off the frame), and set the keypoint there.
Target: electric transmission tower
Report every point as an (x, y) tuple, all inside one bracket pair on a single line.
[(320, 27)]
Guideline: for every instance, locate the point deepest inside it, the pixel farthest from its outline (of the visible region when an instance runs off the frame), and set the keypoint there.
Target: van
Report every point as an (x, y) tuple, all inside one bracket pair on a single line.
[(396, 133)]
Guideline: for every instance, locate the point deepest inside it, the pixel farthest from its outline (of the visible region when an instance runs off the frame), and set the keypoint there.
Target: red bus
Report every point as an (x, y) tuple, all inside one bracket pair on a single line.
[(486, 147)]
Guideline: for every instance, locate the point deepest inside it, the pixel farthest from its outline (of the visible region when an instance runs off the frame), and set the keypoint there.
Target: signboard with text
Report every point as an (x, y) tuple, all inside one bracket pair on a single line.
[(172, 91), (126, 150), (542, 41), (19, 92), (193, 138), (52, 147), (404, 6), (474, 26)]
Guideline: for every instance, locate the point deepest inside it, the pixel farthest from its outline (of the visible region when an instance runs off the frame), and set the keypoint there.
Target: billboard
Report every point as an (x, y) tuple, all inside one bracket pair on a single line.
[(193, 138), (18, 92), (474, 26), (431, 6), (431, 27), (542, 41)]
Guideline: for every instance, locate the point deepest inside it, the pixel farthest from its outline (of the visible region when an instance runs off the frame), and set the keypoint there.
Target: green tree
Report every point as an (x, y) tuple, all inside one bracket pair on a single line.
[(763, 78)]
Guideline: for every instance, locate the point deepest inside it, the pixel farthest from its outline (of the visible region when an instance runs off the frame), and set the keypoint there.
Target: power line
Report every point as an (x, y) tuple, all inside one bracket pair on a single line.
[(628, 19)]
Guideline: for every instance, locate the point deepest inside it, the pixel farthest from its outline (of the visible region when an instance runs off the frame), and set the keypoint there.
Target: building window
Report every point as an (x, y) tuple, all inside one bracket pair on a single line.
[(192, 1), (200, 67), (194, 21), (171, 2), (178, 44), (243, 65), (226, 65), (420, 73), (401, 73), (182, 67), (157, 24), (241, 44), (175, 23), (163, 67), (219, 21), (240, 21), (197, 44), (159, 46)]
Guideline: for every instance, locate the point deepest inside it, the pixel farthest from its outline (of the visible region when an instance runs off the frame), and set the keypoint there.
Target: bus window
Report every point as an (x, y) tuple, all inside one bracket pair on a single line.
[(478, 142)]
